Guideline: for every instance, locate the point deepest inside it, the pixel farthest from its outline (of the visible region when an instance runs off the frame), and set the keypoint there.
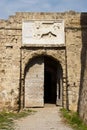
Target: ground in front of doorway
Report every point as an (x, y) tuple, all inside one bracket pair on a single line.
[(47, 118)]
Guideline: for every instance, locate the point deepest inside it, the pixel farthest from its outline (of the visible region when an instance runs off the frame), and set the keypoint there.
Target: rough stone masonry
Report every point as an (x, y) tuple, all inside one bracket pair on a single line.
[(43, 59)]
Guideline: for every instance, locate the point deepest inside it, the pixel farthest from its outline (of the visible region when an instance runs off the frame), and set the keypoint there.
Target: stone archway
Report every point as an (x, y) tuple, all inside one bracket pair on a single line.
[(43, 82)]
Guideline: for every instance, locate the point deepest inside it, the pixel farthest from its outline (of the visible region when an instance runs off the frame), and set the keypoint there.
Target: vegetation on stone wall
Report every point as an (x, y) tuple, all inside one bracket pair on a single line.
[(73, 119)]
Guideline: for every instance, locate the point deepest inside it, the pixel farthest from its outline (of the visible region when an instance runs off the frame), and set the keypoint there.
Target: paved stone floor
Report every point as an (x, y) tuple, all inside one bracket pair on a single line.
[(47, 118)]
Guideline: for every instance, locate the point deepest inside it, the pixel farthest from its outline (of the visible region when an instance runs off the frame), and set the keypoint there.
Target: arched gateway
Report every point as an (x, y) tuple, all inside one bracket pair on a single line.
[(43, 82), (29, 76), (43, 63)]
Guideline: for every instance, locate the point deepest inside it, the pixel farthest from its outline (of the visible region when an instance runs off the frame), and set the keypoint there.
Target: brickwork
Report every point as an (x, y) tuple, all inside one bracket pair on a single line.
[(82, 106), (14, 56)]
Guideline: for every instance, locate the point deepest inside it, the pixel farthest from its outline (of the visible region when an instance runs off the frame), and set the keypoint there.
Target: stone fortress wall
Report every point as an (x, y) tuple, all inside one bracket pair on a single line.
[(14, 56)]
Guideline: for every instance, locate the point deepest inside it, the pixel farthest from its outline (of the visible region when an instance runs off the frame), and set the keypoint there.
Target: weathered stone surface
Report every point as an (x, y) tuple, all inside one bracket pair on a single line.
[(43, 32), (34, 82), (15, 56)]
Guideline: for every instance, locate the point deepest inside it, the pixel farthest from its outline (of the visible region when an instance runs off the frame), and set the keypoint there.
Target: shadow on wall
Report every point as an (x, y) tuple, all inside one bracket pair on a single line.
[(82, 104)]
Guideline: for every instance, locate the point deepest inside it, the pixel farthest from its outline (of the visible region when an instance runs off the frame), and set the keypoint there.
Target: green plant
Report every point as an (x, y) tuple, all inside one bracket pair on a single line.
[(7, 119), (73, 119)]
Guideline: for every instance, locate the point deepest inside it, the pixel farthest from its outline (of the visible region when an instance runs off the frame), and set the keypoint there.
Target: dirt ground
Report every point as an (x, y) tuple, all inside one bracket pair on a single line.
[(47, 118)]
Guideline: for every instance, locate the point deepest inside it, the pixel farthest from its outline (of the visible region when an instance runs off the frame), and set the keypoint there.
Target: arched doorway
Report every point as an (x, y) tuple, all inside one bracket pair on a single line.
[(43, 82)]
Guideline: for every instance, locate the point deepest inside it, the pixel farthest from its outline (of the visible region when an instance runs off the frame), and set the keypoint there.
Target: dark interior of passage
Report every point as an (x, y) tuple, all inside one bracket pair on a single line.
[(50, 80)]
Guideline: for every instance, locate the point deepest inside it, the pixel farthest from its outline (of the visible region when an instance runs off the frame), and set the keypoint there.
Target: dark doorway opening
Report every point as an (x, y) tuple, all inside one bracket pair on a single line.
[(50, 80)]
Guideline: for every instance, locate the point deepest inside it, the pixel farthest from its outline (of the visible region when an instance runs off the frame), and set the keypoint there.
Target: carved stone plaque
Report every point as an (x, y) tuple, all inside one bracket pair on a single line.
[(43, 32)]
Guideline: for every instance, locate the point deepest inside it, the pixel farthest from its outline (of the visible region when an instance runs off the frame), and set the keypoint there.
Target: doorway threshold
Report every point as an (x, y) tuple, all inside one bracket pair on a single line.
[(49, 105)]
